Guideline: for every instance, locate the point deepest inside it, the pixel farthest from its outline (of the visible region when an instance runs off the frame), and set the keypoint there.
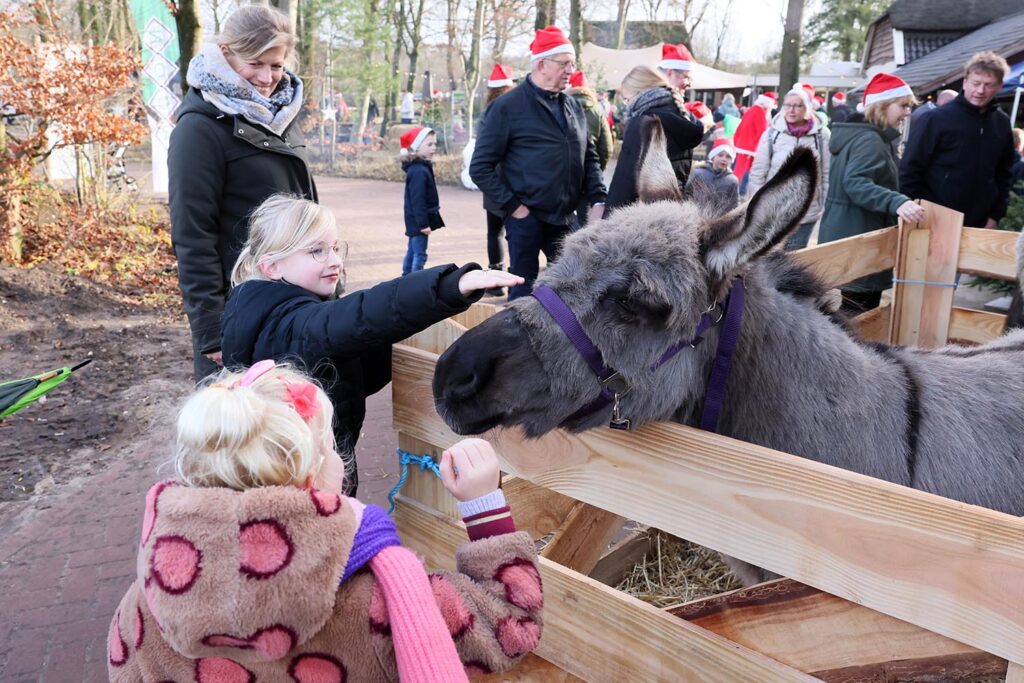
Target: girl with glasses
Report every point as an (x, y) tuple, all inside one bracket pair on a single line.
[(285, 304)]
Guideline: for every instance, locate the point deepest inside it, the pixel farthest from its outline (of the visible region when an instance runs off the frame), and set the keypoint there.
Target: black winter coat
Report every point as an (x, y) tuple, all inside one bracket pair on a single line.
[(840, 114), (345, 343), (960, 156), (523, 156), (422, 206), (682, 134), (221, 167)]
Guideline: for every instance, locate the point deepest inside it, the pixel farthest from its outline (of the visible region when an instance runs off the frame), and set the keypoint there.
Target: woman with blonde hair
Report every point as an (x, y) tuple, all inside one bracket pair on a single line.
[(253, 565), (648, 94), (863, 192), (285, 305), (237, 141)]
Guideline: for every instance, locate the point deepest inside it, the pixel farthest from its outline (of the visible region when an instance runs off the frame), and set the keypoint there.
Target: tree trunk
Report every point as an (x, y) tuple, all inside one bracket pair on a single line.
[(190, 32), (576, 26), (473, 65), (546, 10), (289, 7), (413, 51), (789, 66), (620, 23)]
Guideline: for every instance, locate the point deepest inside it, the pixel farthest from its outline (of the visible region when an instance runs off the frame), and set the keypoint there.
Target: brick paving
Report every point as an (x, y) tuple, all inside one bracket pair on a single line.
[(67, 556)]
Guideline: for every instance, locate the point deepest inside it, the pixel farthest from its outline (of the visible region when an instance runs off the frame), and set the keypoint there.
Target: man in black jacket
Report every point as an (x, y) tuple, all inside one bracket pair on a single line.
[(534, 160), (959, 155)]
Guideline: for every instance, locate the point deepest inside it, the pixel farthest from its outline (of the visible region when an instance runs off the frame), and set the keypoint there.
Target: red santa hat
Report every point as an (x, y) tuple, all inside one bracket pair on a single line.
[(721, 145), (839, 98), (578, 80), (500, 77), (769, 100), (550, 41), (883, 86), (701, 112), (675, 58), (412, 139)]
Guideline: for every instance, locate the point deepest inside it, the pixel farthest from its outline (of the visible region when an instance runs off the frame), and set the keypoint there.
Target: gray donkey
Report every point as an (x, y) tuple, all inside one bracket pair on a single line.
[(946, 421)]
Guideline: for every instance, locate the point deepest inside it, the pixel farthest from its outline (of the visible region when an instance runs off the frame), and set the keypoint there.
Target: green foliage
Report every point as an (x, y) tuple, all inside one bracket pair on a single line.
[(841, 26), (1014, 221)]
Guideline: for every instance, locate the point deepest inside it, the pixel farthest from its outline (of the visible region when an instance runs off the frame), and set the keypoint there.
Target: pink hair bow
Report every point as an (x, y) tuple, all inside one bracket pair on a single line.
[(303, 398)]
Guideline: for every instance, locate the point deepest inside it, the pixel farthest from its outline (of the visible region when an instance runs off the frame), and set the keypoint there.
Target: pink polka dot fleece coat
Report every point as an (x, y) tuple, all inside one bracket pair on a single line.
[(243, 587)]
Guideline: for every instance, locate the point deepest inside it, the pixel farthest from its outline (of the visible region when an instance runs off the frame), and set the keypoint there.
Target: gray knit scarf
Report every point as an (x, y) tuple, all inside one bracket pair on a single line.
[(223, 87), (652, 98)]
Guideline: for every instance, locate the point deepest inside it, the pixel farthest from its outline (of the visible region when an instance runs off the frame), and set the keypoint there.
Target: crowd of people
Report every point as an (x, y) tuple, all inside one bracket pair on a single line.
[(265, 467)]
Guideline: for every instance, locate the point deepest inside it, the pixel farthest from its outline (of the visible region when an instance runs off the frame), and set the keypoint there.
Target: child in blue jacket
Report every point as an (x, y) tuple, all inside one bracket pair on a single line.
[(422, 206)]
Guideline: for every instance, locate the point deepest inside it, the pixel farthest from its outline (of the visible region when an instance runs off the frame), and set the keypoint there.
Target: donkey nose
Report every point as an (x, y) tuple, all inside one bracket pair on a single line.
[(462, 373)]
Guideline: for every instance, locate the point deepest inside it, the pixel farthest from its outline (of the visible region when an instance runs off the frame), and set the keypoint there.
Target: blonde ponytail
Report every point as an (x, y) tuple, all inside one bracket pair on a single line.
[(245, 437)]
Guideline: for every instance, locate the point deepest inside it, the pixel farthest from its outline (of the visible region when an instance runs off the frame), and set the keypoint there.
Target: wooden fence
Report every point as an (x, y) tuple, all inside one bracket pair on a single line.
[(886, 583)]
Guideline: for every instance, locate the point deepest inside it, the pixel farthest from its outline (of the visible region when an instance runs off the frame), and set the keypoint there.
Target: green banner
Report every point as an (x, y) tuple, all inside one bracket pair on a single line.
[(161, 78)]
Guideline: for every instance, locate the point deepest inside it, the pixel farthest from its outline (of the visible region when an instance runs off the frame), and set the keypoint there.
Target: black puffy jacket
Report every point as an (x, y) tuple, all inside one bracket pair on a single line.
[(960, 156), (221, 167), (523, 156), (345, 343), (682, 134)]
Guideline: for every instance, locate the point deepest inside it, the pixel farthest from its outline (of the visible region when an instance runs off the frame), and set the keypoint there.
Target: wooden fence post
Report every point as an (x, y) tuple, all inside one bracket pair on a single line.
[(926, 256)]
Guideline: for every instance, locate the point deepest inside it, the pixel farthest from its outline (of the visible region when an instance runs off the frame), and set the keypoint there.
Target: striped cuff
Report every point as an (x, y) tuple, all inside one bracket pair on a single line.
[(494, 499), (491, 523)]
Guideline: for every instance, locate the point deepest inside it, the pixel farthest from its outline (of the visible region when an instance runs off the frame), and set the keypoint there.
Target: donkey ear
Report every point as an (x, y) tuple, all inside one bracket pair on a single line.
[(655, 179), (748, 232)]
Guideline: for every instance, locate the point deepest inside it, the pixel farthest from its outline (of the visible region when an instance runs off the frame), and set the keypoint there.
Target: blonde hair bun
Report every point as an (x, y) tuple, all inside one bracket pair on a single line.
[(245, 437)]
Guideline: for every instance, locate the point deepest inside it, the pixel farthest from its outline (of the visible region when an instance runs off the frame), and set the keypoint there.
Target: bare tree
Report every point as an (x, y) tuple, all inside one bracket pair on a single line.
[(411, 34), (789, 66), (576, 25), (722, 31), (508, 20), (547, 10), (620, 21), (190, 32), (472, 65)]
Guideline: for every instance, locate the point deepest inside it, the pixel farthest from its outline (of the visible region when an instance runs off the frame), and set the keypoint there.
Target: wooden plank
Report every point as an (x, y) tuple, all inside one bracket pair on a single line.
[(584, 537), (600, 634), (844, 260), (927, 252), (619, 561), (476, 314), (991, 253), (975, 327), (437, 337), (873, 325), (968, 668), (820, 633), (532, 669), (425, 487), (1015, 673), (945, 566), (539, 511)]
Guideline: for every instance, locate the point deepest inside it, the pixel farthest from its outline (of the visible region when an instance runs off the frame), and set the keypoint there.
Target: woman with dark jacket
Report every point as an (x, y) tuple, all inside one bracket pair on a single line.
[(649, 94), (236, 142), (498, 84), (863, 190)]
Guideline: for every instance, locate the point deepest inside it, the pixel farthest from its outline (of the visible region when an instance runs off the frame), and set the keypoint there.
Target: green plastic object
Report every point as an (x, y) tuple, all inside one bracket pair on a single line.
[(18, 393)]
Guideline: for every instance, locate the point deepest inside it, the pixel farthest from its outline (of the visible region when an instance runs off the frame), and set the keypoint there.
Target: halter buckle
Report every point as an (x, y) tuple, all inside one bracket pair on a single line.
[(616, 384), (617, 421)]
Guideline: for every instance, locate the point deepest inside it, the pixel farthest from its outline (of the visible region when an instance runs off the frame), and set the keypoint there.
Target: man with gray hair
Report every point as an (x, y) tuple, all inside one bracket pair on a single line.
[(535, 161), (960, 154)]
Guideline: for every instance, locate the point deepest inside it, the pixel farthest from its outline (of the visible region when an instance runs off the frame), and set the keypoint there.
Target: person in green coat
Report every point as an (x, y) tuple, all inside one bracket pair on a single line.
[(597, 126), (863, 192)]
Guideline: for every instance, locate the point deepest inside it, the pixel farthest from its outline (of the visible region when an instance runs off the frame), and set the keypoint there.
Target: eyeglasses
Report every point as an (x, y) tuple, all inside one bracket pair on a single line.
[(320, 252), (565, 66), (794, 106)]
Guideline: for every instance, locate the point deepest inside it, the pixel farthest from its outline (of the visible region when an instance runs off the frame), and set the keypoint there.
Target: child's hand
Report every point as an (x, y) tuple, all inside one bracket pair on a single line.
[(486, 279), (469, 469), (426, 231)]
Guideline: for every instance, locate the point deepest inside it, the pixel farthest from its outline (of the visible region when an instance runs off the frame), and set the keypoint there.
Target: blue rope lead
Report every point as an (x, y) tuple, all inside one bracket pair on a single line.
[(405, 458)]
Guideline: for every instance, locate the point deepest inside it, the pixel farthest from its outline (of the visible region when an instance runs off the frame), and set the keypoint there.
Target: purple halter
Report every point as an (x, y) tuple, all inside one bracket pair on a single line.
[(614, 386)]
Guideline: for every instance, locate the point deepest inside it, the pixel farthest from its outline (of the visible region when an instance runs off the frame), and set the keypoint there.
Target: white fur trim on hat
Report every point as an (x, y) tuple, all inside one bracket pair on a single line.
[(718, 149), (765, 101), (499, 84), (675, 65), (565, 49), (891, 94)]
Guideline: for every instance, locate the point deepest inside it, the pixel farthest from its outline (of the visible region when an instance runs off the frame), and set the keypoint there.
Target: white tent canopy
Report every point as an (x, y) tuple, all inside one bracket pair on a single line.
[(606, 68)]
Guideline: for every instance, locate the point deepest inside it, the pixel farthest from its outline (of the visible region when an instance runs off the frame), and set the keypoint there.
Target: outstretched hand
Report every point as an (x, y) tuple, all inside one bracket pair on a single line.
[(911, 211), (469, 469), (486, 279)]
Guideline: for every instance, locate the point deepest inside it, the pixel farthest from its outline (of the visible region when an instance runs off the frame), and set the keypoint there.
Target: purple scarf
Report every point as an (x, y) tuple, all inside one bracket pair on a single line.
[(376, 532), (798, 131)]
